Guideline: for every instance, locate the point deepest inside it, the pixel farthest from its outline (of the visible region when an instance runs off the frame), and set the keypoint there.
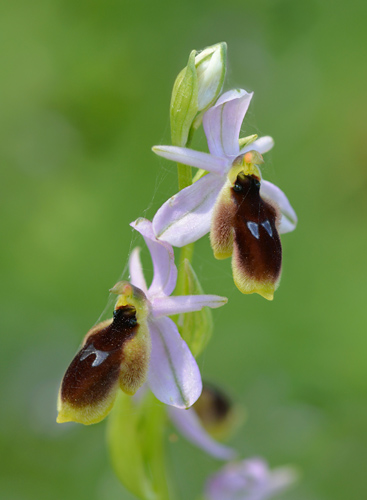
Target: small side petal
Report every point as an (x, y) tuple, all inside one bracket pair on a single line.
[(222, 122), (174, 375), (188, 423), (136, 270), (262, 145), (165, 270), (167, 306), (186, 216), (193, 158), (288, 221)]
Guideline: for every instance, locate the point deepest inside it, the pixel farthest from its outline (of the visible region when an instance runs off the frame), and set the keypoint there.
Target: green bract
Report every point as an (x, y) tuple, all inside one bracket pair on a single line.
[(184, 102), (135, 440), (197, 327)]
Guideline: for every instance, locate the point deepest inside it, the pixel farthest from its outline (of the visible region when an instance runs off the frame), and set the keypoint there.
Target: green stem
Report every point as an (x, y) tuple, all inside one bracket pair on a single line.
[(184, 180), (184, 172), (186, 253), (184, 176)]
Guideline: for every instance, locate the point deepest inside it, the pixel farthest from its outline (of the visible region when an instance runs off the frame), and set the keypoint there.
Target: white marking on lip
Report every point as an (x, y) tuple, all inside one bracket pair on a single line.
[(254, 228), (100, 355), (266, 225)]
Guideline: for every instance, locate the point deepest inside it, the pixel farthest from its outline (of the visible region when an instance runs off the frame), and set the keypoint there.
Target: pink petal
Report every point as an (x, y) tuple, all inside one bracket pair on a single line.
[(174, 376), (193, 158), (165, 271), (222, 122), (186, 216), (248, 480), (188, 423), (166, 306), (289, 218), (262, 145), (136, 271)]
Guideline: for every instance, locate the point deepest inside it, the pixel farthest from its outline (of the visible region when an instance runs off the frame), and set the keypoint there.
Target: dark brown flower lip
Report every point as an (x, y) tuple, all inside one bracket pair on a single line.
[(256, 237), (96, 367), (115, 354)]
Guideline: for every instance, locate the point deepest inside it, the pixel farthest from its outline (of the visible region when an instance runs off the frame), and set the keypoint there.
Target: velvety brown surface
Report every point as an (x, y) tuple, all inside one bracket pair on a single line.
[(96, 367), (255, 233)]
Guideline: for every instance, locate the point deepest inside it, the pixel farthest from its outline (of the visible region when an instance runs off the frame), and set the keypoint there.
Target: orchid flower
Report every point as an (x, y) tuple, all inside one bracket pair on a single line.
[(211, 413), (139, 343), (243, 213), (248, 480)]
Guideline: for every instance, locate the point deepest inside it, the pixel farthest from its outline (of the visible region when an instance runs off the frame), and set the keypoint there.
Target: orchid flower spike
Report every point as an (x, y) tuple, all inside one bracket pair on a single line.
[(248, 480), (243, 212), (212, 417), (139, 343)]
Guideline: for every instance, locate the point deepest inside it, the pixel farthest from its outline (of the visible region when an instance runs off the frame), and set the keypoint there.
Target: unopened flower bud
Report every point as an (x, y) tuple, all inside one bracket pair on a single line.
[(211, 69), (196, 88)]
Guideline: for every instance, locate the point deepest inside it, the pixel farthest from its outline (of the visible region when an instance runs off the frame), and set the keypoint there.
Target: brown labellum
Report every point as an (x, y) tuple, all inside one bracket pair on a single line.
[(216, 412), (213, 406), (114, 353), (246, 225)]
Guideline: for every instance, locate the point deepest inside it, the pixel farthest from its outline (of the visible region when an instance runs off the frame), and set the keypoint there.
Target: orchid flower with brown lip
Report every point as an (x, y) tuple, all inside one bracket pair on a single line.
[(244, 213), (139, 343)]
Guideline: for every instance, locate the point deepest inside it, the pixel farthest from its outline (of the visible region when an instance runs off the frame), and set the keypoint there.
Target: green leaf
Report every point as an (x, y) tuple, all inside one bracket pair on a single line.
[(195, 327), (135, 439)]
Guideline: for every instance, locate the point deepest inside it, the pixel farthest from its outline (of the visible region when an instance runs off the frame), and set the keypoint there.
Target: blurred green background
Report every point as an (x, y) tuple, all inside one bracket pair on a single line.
[(84, 94)]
